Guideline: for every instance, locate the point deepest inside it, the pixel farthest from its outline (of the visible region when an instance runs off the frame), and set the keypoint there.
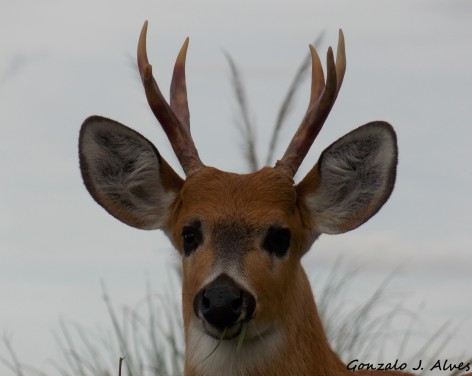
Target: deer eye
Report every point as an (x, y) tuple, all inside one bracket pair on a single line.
[(192, 237), (277, 241)]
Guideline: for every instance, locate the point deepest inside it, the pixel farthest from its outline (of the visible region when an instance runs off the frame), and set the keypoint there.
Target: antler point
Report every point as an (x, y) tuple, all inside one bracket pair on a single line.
[(185, 47), (144, 28)]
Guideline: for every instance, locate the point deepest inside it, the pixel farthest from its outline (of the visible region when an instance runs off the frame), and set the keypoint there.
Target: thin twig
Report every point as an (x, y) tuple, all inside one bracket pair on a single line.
[(116, 326), (286, 105), (121, 361), (244, 123)]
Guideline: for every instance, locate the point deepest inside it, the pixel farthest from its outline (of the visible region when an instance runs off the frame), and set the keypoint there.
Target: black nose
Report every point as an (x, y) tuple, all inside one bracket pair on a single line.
[(222, 303)]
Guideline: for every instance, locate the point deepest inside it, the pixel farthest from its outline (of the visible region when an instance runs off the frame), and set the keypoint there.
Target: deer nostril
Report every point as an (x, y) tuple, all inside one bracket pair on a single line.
[(205, 302), (237, 304)]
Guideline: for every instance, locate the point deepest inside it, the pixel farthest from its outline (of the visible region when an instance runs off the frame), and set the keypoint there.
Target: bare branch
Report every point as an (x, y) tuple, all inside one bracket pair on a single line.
[(121, 361)]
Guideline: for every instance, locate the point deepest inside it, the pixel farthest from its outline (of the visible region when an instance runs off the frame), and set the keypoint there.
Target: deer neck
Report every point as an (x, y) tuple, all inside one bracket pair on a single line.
[(306, 350), (297, 347)]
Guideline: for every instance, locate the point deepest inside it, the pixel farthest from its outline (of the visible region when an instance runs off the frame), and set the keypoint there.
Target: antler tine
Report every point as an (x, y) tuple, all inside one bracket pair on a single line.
[(178, 88), (175, 124), (340, 60), (323, 95), (317, 78)]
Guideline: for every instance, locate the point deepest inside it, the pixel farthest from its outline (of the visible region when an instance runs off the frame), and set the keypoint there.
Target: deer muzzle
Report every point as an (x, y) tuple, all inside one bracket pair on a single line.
[(224, 306)]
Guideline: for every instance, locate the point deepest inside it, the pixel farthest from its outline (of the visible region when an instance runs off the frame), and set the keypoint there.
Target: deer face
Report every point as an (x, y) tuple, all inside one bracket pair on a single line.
[(238, 253), (241, 237)]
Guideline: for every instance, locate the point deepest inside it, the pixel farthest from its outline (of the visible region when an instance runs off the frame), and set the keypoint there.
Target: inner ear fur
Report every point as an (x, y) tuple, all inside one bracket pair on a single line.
[(125, 173), (353, 178)]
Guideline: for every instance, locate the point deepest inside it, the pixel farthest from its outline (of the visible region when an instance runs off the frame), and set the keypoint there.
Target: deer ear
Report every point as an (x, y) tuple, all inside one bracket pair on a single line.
[(353, 178), (125, 174)]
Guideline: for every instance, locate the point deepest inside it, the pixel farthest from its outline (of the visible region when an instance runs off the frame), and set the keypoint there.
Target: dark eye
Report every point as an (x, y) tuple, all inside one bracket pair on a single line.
[(192, 237), (277, 241)]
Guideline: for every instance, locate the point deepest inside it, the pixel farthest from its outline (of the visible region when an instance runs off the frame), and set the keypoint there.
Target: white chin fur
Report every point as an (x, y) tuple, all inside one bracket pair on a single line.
[(257, 350)]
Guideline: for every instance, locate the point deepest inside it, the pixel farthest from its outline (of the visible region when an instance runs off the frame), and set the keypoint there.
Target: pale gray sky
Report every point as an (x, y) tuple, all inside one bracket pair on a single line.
[(409, 62)]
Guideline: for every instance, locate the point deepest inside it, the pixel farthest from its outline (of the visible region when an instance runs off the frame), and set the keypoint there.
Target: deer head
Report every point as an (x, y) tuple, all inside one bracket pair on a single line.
[(241, 237)]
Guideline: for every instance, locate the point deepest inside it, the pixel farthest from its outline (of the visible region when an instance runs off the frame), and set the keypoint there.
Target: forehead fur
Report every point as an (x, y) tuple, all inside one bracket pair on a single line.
[(262, 194)]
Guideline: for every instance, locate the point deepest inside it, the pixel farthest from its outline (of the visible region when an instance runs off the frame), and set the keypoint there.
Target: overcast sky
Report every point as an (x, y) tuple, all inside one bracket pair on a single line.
[(409, 63)]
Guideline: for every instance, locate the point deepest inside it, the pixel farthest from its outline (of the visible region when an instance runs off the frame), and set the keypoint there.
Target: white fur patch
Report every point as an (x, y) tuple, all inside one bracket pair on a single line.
[(357, 176), (255, 354)]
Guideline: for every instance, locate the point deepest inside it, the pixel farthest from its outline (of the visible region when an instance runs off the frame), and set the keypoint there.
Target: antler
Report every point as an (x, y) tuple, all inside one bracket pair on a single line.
[(322, 99), (174, 118)]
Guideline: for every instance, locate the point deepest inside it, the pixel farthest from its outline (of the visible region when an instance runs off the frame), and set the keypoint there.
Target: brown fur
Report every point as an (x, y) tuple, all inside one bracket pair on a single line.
[(235, 213), (283, 291), (235, 218)]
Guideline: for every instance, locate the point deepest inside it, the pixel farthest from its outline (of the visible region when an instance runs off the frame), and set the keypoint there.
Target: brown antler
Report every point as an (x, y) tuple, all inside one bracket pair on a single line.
[(322, 99), (174, 118)]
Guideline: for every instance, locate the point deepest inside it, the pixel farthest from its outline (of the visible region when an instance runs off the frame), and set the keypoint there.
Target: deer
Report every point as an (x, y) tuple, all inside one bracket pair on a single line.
[(247, 304)]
